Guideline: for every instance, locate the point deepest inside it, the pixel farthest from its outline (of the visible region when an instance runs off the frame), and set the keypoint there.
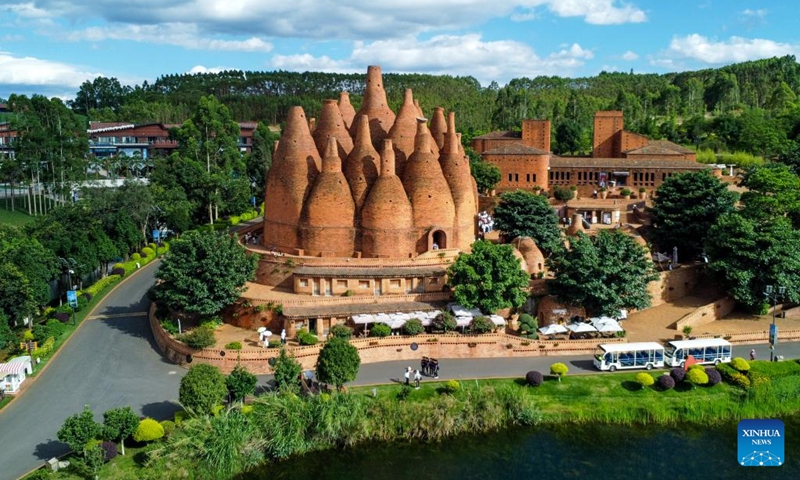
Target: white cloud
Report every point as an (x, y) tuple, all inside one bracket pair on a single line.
[(446, 54), (202, 69), (753, 18), (35, 71), (26, 10), (630, 56), (182, 35), (599, 12), (734, 49)]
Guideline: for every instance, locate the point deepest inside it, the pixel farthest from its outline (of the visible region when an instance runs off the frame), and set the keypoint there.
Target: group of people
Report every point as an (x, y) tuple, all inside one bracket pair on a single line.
[(252, 238), (428, 366), (485, 222), (264, 337)]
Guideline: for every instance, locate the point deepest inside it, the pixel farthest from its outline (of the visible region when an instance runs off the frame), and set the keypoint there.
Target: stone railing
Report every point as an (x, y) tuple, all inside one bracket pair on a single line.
[(755, 337), (373, 349), (320, 300)]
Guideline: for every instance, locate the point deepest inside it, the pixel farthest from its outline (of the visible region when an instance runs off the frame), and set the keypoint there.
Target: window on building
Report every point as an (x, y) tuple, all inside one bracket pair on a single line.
[(341, 283), (528, 177), (510, 177), (534, 178), (395, 283), (516, 177), (304, 282), (363, 284)]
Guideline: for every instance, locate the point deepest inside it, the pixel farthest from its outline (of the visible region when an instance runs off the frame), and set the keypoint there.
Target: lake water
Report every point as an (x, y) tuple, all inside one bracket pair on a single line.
[(568, 452)]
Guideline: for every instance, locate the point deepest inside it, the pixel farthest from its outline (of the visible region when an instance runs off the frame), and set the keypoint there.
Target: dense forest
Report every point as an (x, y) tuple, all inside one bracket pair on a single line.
[(748, 106)]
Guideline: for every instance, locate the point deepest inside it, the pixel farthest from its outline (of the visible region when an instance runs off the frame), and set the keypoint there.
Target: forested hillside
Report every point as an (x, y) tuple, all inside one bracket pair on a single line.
[(749, 106)]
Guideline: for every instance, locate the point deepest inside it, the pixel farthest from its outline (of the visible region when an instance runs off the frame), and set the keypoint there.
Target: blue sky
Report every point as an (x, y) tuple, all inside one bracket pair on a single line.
[(51, 46)]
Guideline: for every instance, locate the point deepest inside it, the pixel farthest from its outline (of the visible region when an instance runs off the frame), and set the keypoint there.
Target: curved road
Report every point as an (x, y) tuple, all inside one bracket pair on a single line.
[(112, 361)]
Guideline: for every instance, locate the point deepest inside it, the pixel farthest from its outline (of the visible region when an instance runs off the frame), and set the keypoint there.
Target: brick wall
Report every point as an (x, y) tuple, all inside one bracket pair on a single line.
[(521, 171), (707, 313), (674, 284)]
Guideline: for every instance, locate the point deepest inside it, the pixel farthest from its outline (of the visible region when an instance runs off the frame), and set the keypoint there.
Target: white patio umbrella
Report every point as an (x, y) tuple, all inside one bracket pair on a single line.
[(262, 329), (497, 320), (581, 328), (553, 329), (610, 328), (599, 321)]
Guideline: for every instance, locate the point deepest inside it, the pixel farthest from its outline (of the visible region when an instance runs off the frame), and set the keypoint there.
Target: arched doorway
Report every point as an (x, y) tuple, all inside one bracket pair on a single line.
[(438, 240)]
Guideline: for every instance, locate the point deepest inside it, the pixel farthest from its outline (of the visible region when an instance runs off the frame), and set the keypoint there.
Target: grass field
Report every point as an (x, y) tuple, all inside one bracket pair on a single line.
[(18, 217)]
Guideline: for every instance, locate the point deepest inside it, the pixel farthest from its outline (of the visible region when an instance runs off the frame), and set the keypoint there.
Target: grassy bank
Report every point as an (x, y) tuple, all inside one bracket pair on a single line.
[(18, 217), (278, 426)]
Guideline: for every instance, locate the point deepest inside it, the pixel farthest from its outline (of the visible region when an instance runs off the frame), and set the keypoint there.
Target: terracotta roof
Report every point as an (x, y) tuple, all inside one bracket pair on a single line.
[(107, 126), (624, 163), (660, 147), (369, 272), (516, 149), (499, 135), (346, 310)]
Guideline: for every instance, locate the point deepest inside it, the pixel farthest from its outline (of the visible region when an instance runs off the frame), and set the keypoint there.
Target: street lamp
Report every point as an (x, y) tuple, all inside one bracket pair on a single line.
[(774, 295)]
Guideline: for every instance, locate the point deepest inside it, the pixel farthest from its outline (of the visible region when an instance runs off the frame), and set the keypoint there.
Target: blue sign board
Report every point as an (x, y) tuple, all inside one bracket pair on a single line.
[(72, 298), (773, 334), (156, 235)]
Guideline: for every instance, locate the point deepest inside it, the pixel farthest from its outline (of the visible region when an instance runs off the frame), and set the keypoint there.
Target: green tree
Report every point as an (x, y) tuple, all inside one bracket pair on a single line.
[(202, 388), (486, 175), (17, 297), (746, 256), (338, 363), (773, 191), (444, 322), (563, 194), (93, 459), (203, 273), (528, 324), (7, 336), (525, 214), (78, 430), (260, 159), (119, 424), (287, 371), (603, 273), (489, 278), (559, 370), (36, 263), (568, 137), (240, 383), (685, 207)]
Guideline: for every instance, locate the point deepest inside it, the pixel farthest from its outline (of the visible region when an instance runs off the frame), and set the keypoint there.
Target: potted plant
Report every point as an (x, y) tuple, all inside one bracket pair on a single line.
[(574, 189), (603, 192), (642, 193), (626, 194)]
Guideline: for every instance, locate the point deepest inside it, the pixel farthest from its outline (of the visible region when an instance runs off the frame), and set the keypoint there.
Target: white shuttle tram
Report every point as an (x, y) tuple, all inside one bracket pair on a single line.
[(615, 356), (704, 350)]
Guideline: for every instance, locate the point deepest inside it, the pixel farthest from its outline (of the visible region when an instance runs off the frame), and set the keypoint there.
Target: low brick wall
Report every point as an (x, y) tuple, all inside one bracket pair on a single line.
[(374, 350), (707, 313), (756, 337)]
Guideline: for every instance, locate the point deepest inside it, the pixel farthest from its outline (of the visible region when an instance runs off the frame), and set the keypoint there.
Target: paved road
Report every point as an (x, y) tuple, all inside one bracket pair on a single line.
[(112, 361), (109, 362)]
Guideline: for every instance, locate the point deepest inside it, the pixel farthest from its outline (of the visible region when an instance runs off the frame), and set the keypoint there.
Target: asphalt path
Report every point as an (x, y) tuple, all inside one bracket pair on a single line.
[(112, 361)]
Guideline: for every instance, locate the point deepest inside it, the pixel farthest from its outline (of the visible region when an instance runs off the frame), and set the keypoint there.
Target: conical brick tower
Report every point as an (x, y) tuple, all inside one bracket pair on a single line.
[(346, 109), (438, 127), (403, 131), (387, 219), (295, 166), (434, 213), (375, 106), (331, 124), (455, 167), (327, 220), (362, 165)]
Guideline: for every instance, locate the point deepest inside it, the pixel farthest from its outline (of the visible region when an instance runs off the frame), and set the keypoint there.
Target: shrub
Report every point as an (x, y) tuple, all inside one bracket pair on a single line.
[(136, 256), (559, 369), (380, 330), (444, 322), (202, 388), (534, 378), (713, 375), (101, 284), (46, 348), (287, 371), (304, 337), (341, 331), (696, 365), (740, 380), (528, 323), (152, 245), (481, 325), (169, 326), (452, 386), (348, 293), (625, 192), (62, 317), (697, 376), (148, 430), (740, 364), (644, 379), (413, 327), (687, 330), (148, 252), (338, 363), (200, 337), (213, 323), (53, 328), (109, 450), (234, 346), (666, 382), (240, 383), (678, 374)]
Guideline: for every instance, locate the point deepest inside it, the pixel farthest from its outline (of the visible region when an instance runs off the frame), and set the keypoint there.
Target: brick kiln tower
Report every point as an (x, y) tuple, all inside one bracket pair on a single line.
[(356, 203), (295, 166)]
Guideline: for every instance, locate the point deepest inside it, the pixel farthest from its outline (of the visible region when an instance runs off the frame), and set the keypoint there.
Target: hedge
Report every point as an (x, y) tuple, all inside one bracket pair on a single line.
[(148, 430), (99, 285)]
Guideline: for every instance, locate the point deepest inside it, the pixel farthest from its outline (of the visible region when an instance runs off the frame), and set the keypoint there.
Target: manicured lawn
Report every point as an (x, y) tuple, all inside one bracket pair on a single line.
[(18, 217), (121, 468)]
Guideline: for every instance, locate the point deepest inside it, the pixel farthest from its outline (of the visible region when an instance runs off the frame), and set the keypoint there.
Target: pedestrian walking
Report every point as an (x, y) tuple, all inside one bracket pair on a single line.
[(407, 374), (424, 365), (752, 354), (417, 378), (283, 336), (435, 368)]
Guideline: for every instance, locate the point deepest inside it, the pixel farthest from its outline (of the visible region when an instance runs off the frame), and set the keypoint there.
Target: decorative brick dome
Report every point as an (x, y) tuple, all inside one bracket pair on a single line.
[(327, 220), (403, 132), (434, 213), (295, 166), (534, 259), (362, 165), (331, 124), (387, 218), (455, 168), (438, 127), (375, 106), (346, 109)]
